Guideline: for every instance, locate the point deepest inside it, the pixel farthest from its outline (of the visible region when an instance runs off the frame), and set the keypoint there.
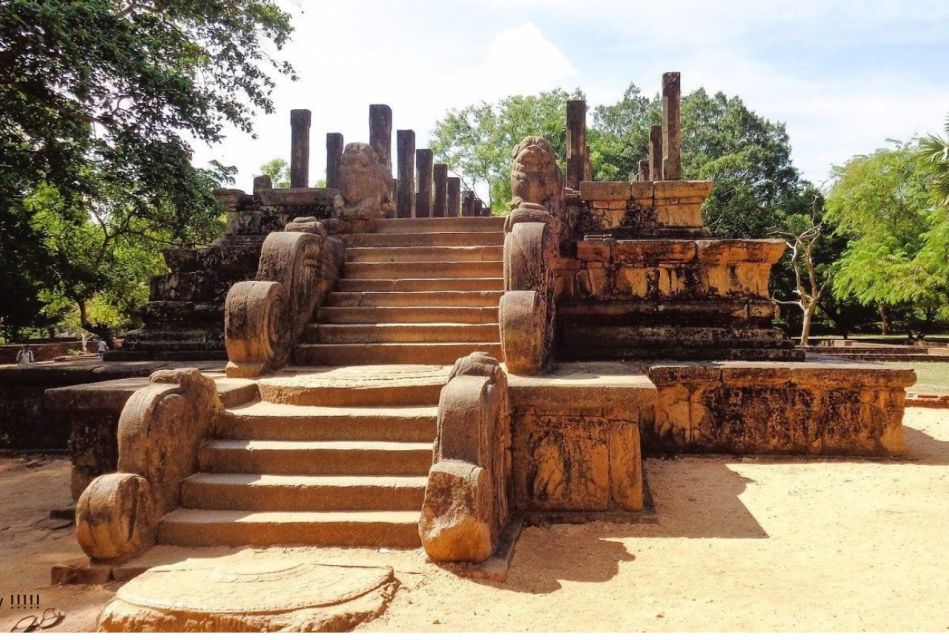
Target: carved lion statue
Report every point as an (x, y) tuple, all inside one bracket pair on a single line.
[(364, 183), (535, 176)]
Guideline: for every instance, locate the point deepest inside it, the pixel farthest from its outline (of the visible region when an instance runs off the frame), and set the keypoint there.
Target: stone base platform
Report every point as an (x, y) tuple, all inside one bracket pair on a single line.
[(575, 438), (822, 406)]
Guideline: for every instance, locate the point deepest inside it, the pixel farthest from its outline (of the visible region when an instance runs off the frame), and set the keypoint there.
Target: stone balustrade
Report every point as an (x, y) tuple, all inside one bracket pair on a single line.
[(466, 504)]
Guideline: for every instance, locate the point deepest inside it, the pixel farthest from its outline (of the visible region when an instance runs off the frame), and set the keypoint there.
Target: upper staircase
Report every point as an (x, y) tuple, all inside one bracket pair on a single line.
[(417, 291)]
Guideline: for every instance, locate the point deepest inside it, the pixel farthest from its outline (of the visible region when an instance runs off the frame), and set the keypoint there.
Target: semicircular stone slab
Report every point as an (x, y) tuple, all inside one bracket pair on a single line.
[(249, 595)]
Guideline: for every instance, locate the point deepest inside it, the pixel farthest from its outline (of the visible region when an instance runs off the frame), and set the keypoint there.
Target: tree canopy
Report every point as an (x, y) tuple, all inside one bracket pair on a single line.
[(477, 141), (98, 102), (747, 155), (899, 232)]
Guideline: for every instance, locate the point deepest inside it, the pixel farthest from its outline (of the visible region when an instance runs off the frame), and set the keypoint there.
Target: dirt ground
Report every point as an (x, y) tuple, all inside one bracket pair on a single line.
[(742, 544)]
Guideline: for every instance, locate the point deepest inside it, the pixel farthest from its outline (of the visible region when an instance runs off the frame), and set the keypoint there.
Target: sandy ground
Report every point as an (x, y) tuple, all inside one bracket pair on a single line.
[(742, 544)]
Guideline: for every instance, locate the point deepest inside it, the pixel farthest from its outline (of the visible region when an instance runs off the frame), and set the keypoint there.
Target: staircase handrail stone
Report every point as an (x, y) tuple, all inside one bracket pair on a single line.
[(466, 505), (264, 318), (160, 430)]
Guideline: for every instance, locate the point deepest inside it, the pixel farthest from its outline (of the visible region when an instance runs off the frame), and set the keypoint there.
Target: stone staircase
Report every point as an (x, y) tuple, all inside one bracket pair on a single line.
[(338, 455), (330, 456), (418, 291)]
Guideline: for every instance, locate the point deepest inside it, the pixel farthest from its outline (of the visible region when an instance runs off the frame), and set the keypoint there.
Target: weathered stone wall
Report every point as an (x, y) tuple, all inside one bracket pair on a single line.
[(184, 318), (44, 350), (783, 408), (575, 441), (27, 421), (667, 208)]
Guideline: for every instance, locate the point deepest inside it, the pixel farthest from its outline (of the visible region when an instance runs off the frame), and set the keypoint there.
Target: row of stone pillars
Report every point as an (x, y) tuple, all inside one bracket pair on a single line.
[(438, 195), (663, 160)]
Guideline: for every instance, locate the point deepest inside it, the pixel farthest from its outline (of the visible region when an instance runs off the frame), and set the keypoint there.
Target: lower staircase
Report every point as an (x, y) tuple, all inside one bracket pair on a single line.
[(337, 453)]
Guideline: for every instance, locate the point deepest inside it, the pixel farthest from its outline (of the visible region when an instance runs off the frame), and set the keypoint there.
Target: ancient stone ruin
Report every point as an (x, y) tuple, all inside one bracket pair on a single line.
[(407, 371)]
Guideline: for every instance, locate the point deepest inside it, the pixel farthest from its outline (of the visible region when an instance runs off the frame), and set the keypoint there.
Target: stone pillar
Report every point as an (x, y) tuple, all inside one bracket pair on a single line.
[(262, 183), (334, 152), (299, 148), (655, 153), (440, 180), (477, 208), (423, 165), (643, 170), (453, 199), (485, 211), (576, 142), (671, 132), (380, 133), (467, 203), (405, 199)]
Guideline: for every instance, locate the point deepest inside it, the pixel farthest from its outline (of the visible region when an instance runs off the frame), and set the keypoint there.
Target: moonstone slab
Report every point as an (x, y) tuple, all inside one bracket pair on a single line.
[(249, 595)]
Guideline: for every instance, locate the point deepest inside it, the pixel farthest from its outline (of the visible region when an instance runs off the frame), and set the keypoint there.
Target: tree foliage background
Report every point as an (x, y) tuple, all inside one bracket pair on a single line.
[(98, 102), (882, 247)]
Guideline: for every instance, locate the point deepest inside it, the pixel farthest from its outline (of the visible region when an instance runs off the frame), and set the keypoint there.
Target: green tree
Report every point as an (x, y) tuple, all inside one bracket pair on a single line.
[(619, 137), (279, 171), (96, 99), (747, 155), (898, 253), (476, 141), (935, 151)]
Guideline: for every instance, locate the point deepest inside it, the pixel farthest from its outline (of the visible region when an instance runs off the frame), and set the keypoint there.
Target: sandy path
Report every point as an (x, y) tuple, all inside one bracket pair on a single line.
[(743, 544)]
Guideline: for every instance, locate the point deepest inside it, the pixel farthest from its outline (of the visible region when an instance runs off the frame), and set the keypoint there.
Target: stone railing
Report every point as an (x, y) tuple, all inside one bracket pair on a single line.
[(466, 503), (160, 430), (265, 317), (527, 309)]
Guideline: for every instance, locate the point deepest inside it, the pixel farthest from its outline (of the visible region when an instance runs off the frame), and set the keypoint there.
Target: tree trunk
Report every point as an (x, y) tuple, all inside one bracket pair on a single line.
[(886, 326), (806, 324), (103, 331)]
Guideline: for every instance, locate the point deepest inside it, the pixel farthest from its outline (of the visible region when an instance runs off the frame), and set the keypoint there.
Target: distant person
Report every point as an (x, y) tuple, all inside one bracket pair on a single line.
[(25, 355), (102, 348)]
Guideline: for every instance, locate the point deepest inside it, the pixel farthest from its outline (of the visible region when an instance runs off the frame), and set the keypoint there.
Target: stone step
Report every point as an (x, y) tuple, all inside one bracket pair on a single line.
[(414, 298), (253, 492), (435, 225), (390, 353), (204, 528), (673, 336), (427, 254), (401, 332), (271, 421), (358, 457), (589, 353), (421, 270), (432, 239), (420, 284), (365, 315), (379, 385)]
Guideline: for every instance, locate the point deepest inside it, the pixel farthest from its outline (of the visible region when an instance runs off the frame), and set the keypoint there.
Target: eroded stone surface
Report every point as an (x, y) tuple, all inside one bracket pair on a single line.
[(249, 595)]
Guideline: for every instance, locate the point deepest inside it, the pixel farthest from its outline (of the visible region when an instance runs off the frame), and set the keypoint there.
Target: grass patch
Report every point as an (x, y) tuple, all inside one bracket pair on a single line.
[(930, 376)]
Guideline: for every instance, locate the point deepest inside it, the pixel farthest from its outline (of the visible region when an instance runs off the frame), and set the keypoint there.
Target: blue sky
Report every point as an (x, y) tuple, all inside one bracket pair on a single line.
[(844, 76)]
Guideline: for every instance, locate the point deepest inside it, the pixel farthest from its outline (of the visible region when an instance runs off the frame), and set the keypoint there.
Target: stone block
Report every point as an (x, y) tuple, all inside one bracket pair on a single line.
[(605, 190), (455, 525), (653, 251), (626, 470), (594, 251), (735, 251), (80, 571), (641, 191), (679, 215), (561, 464), (609, 204), (683, 188), (632, 282)]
